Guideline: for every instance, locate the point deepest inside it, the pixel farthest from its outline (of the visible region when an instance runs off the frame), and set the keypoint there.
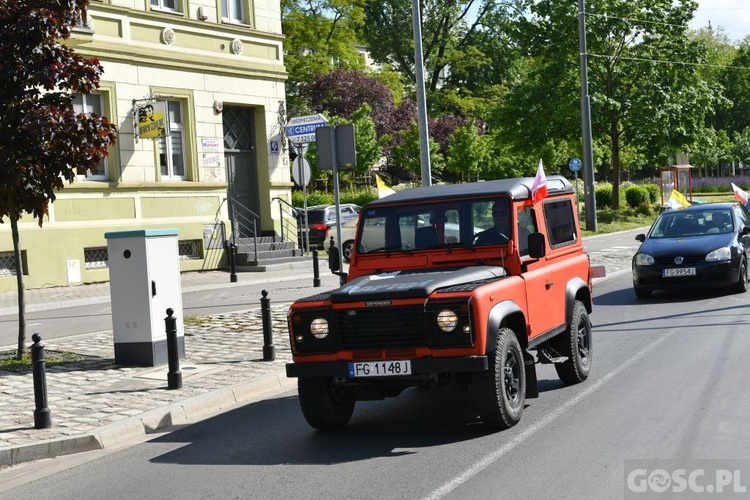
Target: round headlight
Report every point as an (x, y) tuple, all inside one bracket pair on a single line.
[(447, 320), (319, 328)]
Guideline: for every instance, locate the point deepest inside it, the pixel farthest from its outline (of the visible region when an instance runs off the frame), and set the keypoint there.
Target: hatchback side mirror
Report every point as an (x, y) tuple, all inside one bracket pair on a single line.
[(640, 237)]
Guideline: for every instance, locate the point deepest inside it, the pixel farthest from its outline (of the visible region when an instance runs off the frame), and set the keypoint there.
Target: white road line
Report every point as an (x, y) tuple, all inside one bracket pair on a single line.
[(499, 453)]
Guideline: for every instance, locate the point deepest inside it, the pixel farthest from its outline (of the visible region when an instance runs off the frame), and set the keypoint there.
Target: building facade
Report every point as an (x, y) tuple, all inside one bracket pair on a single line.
[(215, 69)]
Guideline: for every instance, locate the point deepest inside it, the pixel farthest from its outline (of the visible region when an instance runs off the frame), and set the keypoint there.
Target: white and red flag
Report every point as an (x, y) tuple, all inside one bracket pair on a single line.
[(740, 194), (539, 187)]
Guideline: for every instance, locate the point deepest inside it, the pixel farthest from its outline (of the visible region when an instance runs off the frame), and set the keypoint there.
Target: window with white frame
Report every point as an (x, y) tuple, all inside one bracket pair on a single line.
[(172, 5), (172, 147), (231, 10), (87, 104)]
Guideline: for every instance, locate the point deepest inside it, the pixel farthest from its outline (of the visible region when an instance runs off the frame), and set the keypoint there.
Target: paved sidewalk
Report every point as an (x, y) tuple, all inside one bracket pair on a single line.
[(95, 403)]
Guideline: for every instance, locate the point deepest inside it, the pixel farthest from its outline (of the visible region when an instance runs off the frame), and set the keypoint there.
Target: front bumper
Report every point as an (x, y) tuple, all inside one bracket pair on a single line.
[(418, 366), (708, 275)]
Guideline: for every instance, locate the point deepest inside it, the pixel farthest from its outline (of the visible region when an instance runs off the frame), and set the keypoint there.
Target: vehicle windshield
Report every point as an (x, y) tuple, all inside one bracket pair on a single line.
[(678, 224), (467, 223)]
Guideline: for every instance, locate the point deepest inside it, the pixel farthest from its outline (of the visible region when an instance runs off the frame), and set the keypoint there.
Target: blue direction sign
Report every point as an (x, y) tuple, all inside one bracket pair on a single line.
[(574, 164), (301, 129)]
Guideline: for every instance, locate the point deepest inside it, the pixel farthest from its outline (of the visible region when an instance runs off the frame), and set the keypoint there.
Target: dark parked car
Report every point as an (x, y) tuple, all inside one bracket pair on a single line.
[(699, 246), (321, 218)]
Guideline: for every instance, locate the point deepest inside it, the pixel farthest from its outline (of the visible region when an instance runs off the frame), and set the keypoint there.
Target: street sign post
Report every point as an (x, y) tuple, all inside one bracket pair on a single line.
[(575, 165), (301, 129)]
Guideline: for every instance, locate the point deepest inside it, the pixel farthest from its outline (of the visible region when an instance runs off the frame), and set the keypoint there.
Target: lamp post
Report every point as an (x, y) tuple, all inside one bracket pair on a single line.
[(424, 138)]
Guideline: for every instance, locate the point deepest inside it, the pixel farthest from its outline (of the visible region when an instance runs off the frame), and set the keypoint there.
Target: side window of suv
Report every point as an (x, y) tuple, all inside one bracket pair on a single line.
[(560, 219)]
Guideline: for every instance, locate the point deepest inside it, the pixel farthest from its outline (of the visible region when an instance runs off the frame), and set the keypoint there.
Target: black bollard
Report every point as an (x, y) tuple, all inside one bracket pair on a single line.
[(42, 416), (174, 376), (269, 351), (316, 268), (232, 263)]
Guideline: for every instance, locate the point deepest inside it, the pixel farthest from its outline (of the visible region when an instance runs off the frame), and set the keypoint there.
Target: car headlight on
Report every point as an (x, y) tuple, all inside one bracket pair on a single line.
[(447, 320), (724, 253), (319, 328), (644, 259)]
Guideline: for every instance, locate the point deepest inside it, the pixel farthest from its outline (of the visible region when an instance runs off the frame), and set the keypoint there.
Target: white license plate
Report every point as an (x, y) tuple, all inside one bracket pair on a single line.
[(680, 271), (391, 368)]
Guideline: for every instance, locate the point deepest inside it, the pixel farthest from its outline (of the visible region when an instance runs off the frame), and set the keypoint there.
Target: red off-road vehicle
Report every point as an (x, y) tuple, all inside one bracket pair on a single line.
[(468, 284)]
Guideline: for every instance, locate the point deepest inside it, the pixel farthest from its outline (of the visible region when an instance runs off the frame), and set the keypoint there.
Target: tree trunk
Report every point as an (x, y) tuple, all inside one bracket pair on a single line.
[(19, 281), (615, 166)]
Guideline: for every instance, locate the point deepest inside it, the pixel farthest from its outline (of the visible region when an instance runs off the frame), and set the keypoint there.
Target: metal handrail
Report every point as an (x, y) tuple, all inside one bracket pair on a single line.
[(289, 223), (249, 225)]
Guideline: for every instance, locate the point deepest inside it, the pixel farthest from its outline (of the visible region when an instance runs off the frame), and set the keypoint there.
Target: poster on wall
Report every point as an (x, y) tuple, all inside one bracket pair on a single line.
[(153, 120)]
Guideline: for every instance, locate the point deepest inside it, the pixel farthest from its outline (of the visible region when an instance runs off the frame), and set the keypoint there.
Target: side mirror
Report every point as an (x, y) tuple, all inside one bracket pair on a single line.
[(640, 237), (334, 257), (537, 246)]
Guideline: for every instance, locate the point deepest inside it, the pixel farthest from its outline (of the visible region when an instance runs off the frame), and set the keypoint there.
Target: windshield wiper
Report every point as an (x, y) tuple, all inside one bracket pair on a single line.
[(386, 249)]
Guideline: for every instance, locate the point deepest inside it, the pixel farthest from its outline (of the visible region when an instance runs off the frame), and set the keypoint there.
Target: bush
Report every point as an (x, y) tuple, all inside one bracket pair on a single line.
[(603, 195), (636, 195), (654, 193), (645, 209), (360, 197)]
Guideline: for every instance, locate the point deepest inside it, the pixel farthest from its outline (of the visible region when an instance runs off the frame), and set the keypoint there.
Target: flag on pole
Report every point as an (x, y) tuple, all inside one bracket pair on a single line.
[(539, 187), (383, 190), (741, 195), (677, 200)]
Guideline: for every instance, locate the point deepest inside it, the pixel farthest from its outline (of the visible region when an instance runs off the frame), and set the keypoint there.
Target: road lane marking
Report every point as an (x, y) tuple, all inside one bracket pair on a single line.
[(500, 452)]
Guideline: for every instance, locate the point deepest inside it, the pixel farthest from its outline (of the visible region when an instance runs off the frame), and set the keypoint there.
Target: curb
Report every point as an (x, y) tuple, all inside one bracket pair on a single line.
[(189, 411)]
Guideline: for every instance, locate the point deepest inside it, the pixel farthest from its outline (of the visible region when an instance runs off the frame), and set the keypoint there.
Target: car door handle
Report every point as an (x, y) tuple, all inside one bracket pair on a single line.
[(548, 285)]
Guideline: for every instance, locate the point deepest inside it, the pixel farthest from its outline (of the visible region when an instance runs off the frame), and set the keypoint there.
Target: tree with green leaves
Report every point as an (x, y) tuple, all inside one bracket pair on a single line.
[(43, 142), (320, 35), (405, 158), (643, 78), (735, 79)]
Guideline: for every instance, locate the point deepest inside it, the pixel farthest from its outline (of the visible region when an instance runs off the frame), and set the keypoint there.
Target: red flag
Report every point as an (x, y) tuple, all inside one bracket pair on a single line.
[(739, 194), (539, 187)]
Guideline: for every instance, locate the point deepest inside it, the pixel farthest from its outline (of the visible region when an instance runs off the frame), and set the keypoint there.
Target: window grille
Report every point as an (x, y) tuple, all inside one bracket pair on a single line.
[(96, 258), (189, 250), (7, 264)]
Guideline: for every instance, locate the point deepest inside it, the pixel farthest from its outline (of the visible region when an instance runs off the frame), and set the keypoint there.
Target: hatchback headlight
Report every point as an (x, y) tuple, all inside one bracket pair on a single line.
[(644, 259), (319, 328), (724, 253), (447, 320)]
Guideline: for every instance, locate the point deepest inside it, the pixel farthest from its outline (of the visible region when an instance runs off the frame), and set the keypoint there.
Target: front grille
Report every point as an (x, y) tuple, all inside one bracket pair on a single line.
[(375, 328), (688, 261)]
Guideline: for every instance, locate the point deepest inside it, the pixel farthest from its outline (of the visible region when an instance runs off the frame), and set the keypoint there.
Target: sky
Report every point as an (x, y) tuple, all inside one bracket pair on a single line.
[(732, 15)]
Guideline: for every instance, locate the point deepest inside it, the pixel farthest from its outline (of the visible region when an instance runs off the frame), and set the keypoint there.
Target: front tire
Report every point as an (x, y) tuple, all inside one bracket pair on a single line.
[(324, 405), (500, 392), (741, 286), (575, 343), (641, 293)]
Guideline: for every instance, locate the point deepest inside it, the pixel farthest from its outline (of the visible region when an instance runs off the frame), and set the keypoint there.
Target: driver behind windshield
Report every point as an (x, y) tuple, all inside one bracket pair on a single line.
[(499, 233)]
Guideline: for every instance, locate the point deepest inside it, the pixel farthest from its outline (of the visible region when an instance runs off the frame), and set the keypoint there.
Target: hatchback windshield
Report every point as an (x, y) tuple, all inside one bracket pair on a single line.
[(434, 225), (678, 224)]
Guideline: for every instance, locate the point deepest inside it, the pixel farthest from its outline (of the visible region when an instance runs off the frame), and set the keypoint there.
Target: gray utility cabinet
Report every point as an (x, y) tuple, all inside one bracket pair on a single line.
[(144, 281)]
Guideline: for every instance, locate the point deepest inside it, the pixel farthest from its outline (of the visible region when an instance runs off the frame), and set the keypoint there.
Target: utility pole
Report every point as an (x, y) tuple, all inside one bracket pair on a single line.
[(588, 155), (424, 138)]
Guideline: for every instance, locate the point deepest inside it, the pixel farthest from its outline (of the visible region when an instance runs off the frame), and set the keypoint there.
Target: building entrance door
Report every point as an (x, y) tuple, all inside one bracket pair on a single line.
[(242, 168)]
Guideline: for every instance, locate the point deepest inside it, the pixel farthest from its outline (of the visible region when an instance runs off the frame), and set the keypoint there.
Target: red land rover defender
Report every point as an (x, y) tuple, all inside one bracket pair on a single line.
[(467, 284)]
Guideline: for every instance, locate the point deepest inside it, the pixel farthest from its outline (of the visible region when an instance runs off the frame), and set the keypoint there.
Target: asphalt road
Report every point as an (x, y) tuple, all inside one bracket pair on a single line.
[(668, 382)]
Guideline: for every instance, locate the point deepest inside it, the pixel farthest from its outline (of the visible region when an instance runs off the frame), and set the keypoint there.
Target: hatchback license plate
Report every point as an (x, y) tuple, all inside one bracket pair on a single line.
[(680, 271), (380, 368)]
